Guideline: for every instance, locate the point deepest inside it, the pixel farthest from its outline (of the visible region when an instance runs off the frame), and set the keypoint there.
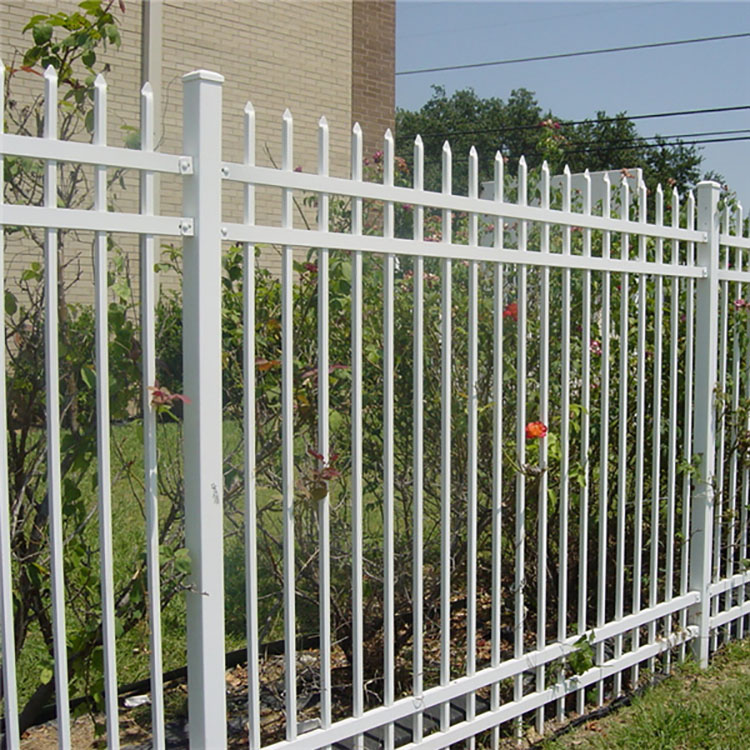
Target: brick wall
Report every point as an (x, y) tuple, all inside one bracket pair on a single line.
[(276, 53), (373, 68)]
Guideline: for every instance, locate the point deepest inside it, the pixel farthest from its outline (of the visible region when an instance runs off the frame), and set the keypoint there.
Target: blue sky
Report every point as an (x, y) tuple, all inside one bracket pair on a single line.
[(696, 76)]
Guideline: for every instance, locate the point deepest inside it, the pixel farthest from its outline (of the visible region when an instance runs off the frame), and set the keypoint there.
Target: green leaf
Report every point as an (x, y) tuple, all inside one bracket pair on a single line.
[(88, 58), (88, 375), (42, 33), (89, 121), (31, 56), (11, 304), (45, 675)]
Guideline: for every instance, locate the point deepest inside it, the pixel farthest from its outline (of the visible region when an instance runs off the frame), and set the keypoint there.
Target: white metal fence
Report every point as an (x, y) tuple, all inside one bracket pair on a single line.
[(549, 492)]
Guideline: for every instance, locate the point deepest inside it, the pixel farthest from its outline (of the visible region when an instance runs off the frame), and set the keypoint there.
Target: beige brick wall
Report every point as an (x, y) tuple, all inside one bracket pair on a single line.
[(373, 69), (278, 54)]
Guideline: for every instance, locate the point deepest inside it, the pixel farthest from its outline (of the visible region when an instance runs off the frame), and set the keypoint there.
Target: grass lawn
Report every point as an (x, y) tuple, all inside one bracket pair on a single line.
[(693, 709)]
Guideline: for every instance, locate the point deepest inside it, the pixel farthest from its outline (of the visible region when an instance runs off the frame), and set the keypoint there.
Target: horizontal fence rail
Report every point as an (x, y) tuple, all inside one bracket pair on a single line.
[(477, 463)]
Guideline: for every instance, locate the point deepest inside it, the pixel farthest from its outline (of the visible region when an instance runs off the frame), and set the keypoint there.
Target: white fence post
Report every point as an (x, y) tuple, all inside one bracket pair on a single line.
[(201, 318), (704, 446)]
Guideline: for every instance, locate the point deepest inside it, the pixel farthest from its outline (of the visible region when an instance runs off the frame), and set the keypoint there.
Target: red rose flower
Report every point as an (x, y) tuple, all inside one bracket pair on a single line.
[(536, 430)]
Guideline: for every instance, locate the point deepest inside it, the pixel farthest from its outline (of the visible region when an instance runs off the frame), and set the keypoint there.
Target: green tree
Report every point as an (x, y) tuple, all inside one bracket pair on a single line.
[(519, 127)]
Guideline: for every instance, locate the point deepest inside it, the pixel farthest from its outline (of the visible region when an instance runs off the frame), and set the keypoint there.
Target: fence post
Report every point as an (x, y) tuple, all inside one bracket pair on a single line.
[(202, 447), (704, 444)]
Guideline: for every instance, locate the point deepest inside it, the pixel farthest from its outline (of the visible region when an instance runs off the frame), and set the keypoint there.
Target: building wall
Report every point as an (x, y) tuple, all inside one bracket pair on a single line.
[(373, 69), (274, 53)]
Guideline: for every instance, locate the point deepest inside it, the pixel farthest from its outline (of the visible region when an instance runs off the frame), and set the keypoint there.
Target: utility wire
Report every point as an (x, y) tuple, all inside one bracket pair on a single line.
[(618, 118), (625, 146), (582, 53)]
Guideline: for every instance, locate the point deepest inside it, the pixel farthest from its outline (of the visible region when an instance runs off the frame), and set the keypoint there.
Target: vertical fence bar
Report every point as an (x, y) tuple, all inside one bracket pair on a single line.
[(287, 438), (640, 432), (202, 422), (9, 683), (445, 446), (148, 374), (687, 456), (389, 569), (601, 596), (358, 700), (701, 518), (562, 589), (622, 438), (674, 332), (251, 507), (583, 508), (720, 483), (544, 384), (418, 457), (497, 446), (653, 580), (520, 531), (102, 428), (52, 380), (733, 467), (324, 449), (473, 447), (745, 475)]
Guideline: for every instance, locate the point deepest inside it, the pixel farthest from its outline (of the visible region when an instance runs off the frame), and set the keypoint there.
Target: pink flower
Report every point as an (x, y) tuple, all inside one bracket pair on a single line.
[(739, 304), (595, 346), (298, 168), (311, 267), (160, 396)]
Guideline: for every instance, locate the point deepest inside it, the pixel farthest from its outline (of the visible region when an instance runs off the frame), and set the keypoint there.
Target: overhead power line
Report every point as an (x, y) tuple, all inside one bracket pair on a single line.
[(628, 144), (618, 118), (582, 53)]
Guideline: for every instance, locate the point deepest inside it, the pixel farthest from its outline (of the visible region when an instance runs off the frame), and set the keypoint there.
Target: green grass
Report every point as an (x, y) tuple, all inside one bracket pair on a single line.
[(691, 710)]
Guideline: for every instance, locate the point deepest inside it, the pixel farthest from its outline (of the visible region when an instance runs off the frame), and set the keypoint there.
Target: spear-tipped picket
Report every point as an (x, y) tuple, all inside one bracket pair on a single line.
[(640, 428), (497, 441), (287, 432), (418, 455), (472, 446), (251, 511), (389, 435), (521, 385), (656, 421), (674, 333), (688, 412), (356, 440), (9, 682), (52, 379), (445, 443), (562, 586), (583, 507), (601, 595), (324, 562), (106, 563), (622, 444), (544, 385), (148, 373)]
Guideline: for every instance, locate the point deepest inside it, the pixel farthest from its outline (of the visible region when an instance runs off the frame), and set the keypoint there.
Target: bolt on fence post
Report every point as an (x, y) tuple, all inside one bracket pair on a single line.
[(704, 434), (202, 443)]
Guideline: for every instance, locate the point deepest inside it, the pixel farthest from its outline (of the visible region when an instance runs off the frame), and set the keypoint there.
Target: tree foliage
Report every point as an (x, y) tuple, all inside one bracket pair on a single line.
[(520, 127)]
